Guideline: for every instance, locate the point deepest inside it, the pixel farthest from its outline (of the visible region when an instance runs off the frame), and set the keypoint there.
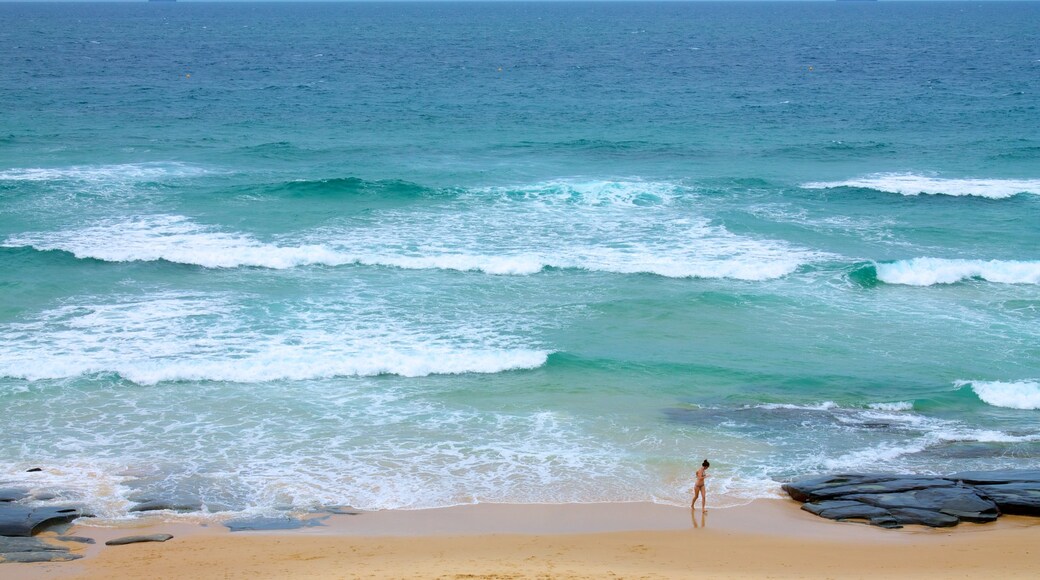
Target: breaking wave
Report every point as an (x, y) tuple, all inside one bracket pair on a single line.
[(706, 252), (931, 271), (910, 184), (1011, 395)]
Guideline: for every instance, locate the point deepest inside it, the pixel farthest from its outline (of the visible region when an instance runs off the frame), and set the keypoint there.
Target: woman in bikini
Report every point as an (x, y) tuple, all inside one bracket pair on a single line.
[(698, 487)]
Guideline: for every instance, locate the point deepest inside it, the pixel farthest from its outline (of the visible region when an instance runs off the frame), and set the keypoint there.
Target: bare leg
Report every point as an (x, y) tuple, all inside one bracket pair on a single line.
[(696, 493)]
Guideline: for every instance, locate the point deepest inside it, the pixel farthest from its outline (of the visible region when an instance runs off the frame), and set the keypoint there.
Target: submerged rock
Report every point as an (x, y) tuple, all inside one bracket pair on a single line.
[(183, 505), (262, 523), (340, 510), (997, 477), (10, 494)]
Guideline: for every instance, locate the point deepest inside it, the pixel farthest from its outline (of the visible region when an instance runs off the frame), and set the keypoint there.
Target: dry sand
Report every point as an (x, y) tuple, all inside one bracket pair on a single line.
[(767, 539)]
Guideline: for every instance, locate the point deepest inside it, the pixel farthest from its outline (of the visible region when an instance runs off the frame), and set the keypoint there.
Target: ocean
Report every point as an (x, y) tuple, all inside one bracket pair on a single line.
[(265, 258)]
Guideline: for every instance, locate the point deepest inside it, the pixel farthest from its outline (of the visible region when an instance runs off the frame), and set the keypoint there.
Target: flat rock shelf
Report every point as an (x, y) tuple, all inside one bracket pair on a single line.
[(893, 500), (22, 516)]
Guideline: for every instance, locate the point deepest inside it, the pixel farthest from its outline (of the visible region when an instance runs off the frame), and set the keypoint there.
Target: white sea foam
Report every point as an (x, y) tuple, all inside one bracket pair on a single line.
[(941, 432), (282, 364), (1012, 395), (831, 405), (627, 227), (200, 338), (175, 239), (824, 406), (591, 193), (910, 184), (557, 235), (92, 482), (930, 271), (104, 173), (623, 227), (897, 406)]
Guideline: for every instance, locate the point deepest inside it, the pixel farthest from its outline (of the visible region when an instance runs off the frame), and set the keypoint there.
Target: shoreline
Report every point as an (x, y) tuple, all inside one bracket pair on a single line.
[(767, 537)]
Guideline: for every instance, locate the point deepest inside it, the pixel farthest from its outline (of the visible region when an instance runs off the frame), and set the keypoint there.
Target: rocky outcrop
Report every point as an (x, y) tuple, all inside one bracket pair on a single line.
[(23, 521), (32, 550), (22, 517), (18, 549), (894, 500)]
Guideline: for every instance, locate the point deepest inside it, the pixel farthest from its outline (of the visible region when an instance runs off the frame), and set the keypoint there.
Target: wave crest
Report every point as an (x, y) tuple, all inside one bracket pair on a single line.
[(1011, 395), (293, 366), (931, 271), (712, 252), (910, 184)]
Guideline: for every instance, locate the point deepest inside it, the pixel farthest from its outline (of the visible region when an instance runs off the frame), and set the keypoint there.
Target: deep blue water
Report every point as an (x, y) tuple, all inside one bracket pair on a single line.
[(271, 256)]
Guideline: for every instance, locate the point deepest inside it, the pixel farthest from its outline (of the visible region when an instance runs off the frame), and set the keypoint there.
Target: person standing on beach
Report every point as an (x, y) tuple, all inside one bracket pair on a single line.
[(698, 487)]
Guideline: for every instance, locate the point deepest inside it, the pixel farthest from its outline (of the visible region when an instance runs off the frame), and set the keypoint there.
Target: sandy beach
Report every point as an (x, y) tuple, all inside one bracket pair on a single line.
[(766, 539)]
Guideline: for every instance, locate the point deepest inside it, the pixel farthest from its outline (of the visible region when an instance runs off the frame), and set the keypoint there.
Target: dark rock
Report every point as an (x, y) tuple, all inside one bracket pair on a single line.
[(263, 523), (887, 522), (1021, 498), (172, 505), (33, 469), (892, 500), (8, 545), (836, 486), (805, 489), (957, 501), (79, 539), (910, 516), (997, 477), (819, 507), (139, 539), (28, 557), (8, 494), (873, 487), (844, 511), (20, 520), (32, 550)]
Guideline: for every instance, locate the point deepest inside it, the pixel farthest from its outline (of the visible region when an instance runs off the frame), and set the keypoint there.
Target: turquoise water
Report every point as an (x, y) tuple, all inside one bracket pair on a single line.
[(278, 256)]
